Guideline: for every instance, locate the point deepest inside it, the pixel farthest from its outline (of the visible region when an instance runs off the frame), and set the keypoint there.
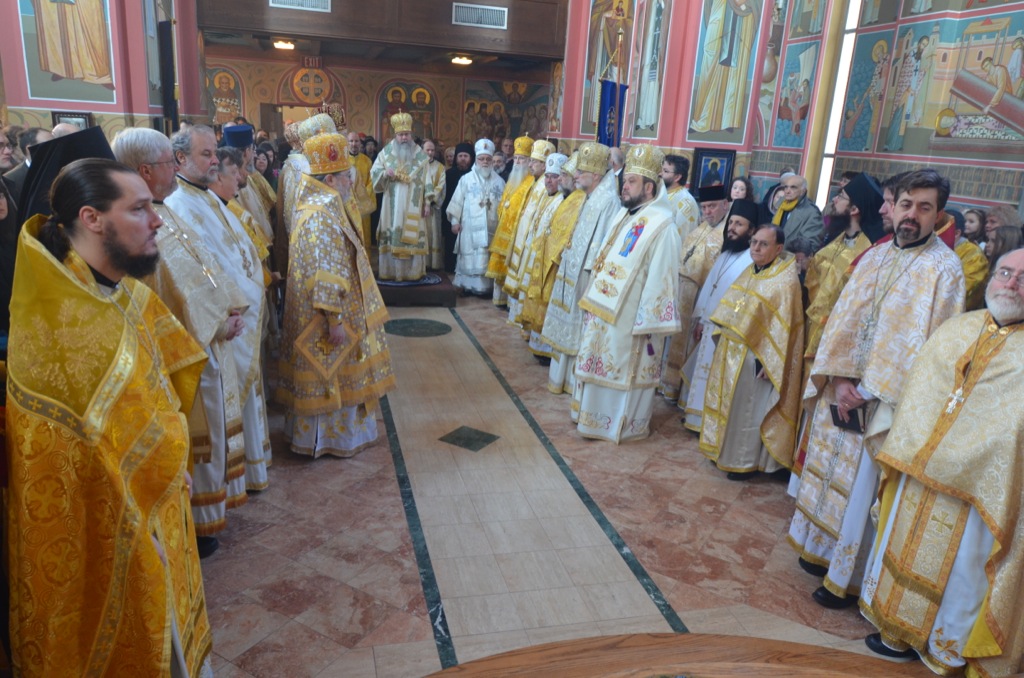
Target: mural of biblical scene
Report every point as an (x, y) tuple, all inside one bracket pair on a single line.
[(808, 18), (649, 65), (912, 8), (557, 88), (412, 98), (862, 111), (67, 48), (725, 69), (154, 11), (797, 81), (983, 113), (769, 76), (226, 92), (879, 12), (912, 82), (495, 110), (605, 56)]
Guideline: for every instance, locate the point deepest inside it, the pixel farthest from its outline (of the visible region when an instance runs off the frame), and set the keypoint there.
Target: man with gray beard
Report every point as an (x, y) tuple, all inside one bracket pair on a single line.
[(400, 174), (473, 213), (950, 513)]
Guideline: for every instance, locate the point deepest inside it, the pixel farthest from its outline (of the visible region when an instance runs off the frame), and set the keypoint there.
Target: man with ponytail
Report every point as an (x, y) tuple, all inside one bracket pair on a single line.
[(102, 564)]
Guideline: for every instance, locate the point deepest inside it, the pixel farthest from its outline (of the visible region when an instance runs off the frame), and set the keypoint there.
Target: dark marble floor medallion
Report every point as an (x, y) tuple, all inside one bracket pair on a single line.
[(416, 327), (469, 438)]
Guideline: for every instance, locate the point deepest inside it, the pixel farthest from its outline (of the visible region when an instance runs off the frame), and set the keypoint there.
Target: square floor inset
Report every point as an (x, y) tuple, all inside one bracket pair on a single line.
[(469, 438)]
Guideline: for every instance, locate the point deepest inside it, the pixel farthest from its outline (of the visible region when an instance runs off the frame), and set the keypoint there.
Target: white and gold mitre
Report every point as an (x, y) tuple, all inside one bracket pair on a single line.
[(593, 158), (320, 123), (645, 160), (542, 148), (570, 165), (327, 153)]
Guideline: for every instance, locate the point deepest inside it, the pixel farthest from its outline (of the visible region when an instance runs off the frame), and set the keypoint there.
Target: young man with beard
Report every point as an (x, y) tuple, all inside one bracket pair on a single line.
[(943, 579), (629, 308), (335, 363), (400, 173), (473, 212), (674, 171), (752, 402), (436, 176), (898, 295), (463, 161), (733, 260), (100, 374)]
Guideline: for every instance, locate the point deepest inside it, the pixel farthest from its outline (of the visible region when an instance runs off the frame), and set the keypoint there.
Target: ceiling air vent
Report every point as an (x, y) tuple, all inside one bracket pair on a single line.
[(481, 16), (305, 5)]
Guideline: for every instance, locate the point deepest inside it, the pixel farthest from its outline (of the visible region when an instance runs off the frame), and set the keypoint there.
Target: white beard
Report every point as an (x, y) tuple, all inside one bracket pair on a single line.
[(484, 172), (1006, 306), (516, 176), (405, 152)]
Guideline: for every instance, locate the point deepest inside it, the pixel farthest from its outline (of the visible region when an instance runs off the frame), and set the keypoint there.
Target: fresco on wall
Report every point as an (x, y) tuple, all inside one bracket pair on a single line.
[(67, 50), (725, 68), (769, 77), (649, 65), (796, 89), (557, 88), (879, 11), (911, 82), (153, 12), (226, 93), (808, 18), (413, 98), (862, 112), (912, 8), (607, 17), (496, 110)]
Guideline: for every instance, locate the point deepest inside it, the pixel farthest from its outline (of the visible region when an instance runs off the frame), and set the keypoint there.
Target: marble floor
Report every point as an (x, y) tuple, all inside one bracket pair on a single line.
[(421, 553)]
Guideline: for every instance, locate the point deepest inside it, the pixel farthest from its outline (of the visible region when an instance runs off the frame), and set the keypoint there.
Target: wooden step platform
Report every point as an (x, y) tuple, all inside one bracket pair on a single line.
[(442, 294), (690, 654)]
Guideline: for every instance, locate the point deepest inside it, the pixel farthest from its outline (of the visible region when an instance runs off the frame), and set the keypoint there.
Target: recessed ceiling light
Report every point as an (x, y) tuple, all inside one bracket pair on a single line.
[(284, 44), (462, 60)]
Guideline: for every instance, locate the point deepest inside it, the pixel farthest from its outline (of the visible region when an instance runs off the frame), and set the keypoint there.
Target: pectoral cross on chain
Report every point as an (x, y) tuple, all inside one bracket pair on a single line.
[(740, 304), (955, 400)]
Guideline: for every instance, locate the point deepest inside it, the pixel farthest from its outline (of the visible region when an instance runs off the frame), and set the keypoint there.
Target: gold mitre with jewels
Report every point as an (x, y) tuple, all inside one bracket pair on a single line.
[(593, 158), (523, 145), (645, 160), (327, 153), (542, 148), (401, 122), (320, 123)]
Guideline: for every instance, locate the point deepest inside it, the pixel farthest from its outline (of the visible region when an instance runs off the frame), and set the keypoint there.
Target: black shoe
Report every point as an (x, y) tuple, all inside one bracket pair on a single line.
[(822, 596), (812, 568), (740, 477), (207, 546), (782, 474), (875, 644), (543, 360)]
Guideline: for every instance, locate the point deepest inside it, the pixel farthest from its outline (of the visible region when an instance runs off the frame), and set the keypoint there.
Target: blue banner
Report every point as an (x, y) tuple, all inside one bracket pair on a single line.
[(609, 116)]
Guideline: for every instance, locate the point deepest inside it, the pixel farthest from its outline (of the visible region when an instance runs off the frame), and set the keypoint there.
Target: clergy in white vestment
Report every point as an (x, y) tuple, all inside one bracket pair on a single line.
[(752, 401), (733, 260), (436, 176), (292, 167), (896, 298), (943, 578), (563, 324), (400, 172), (226, 239), (473, 213), (206, 301), (629, 307)]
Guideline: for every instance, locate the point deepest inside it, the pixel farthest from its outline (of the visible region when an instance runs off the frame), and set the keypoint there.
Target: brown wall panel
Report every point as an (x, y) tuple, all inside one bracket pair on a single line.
[(536, 27)]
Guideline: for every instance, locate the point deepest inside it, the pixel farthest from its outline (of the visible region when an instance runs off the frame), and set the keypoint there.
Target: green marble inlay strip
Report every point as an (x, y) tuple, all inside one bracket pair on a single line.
[(657, 597), (435, 608)]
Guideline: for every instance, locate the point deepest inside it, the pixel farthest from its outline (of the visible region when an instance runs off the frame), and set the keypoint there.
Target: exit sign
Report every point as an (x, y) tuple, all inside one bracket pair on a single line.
[(312, 62)]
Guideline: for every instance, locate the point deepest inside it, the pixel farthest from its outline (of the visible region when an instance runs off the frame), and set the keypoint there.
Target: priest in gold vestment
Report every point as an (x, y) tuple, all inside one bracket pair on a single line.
[(547, 253), (943, 579), (400, 173), (335, 363), (630, 306), (898, 295), (517, 189), (752, 401), (100, 545), (362, 186)]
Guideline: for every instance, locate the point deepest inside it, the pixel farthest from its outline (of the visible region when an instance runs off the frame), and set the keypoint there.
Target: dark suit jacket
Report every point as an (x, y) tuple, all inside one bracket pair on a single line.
[(15, 180)]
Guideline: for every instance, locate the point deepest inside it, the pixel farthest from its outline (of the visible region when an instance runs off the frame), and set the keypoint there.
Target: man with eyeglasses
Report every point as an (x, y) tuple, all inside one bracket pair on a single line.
[(800, 218), (7, 162), (943, 577), (897, 296)]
